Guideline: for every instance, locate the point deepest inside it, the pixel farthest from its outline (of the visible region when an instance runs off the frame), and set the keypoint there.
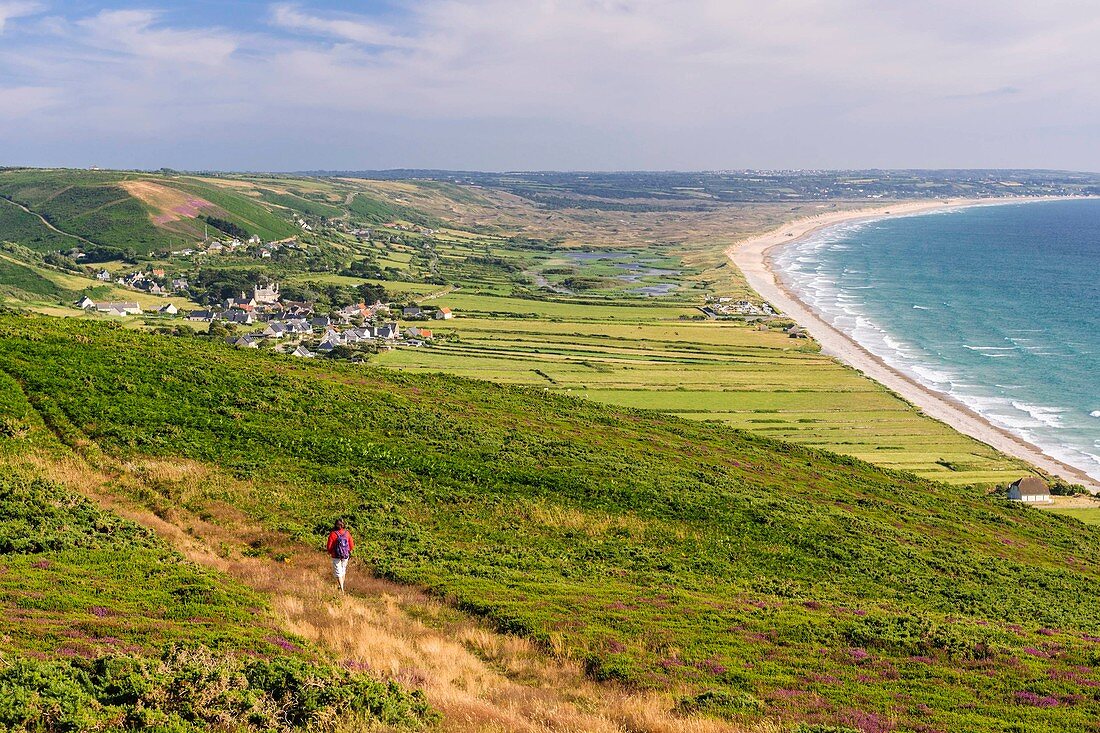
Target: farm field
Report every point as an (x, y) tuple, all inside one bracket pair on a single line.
[(643, 357)]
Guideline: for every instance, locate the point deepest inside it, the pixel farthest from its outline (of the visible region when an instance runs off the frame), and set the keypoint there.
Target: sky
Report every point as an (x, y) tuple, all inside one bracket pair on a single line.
[(550, 84)]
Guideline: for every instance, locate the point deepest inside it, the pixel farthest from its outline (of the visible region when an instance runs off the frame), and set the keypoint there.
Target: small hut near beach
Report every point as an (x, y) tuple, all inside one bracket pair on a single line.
[(1030, 490)]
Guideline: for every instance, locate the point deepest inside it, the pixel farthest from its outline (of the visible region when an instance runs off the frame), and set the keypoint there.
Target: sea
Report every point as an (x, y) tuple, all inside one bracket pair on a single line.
[(997, 306)]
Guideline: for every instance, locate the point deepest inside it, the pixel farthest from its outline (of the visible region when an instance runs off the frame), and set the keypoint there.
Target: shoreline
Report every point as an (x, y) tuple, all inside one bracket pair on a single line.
[(753, 257)]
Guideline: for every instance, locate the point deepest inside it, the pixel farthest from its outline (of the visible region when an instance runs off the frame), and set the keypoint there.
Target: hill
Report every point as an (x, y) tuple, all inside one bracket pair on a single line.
[(106, 627), (748, 576)]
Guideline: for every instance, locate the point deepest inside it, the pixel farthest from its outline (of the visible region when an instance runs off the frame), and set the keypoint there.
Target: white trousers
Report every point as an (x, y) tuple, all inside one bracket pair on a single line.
[(339, 569)]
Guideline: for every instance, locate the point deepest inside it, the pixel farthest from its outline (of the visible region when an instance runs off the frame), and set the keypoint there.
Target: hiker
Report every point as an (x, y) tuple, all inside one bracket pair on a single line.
[(340, 544)]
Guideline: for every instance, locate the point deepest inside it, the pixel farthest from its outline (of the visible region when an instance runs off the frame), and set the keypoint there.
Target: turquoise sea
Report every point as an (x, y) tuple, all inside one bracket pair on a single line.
[(996, 306)]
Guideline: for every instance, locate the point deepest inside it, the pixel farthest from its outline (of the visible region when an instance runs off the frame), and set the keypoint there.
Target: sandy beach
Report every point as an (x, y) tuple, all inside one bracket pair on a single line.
[(753, 257)]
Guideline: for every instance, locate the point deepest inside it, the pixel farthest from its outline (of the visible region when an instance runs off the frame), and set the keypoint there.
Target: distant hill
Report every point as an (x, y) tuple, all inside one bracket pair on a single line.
[(752, 577), (122, 212)]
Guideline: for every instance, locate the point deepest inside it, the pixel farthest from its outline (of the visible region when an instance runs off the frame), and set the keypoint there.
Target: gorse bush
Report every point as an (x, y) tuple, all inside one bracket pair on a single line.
[(193, 689)]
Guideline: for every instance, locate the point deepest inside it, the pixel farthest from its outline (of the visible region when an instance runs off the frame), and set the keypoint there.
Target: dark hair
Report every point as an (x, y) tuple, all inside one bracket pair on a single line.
[(339, 524)]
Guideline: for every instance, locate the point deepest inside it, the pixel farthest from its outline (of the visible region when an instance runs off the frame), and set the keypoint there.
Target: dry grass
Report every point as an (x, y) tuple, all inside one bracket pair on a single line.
[(480, 680)]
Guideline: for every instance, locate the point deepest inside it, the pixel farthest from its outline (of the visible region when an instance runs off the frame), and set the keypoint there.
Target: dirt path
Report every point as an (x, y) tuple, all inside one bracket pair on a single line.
[(47, 224), (480, 680)]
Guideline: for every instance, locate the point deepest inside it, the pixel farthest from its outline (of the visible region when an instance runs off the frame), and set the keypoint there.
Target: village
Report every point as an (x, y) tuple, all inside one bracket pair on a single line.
[(291, 327)]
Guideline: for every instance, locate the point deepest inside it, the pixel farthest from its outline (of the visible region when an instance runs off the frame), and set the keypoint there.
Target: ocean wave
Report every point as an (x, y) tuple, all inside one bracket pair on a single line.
[(1024, 353), (1049, 416)]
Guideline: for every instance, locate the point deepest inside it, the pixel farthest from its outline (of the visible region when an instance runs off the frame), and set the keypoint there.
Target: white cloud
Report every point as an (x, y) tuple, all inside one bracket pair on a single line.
[(291, 17), (17, 9), (136, 33), (663, 83), (22, 101)]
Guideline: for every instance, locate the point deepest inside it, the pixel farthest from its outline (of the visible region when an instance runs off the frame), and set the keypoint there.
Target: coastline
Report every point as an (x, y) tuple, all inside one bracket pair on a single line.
[(753, 257)]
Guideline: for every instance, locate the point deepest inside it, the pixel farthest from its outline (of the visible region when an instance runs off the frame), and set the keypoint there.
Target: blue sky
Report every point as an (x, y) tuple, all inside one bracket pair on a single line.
[(550, 84)]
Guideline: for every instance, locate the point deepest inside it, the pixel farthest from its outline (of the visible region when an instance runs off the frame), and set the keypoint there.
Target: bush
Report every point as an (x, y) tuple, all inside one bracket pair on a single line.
[(192, 688), (720, 703)]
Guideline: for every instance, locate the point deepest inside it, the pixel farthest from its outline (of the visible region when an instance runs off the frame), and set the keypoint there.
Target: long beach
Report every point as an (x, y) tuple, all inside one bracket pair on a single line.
[(753, 257)]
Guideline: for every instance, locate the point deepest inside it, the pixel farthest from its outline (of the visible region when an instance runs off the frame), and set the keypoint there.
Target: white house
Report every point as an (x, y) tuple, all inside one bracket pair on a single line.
[(1030, 490), (168, 310), (119, 309), (85, 303), (444, 314)]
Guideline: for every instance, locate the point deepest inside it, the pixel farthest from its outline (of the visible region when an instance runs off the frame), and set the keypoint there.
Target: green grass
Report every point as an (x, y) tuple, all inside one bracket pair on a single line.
[(23, 282), (1086, 515), (243, 211), (660, 552), (760, 381), (21, 227), (106, 627)]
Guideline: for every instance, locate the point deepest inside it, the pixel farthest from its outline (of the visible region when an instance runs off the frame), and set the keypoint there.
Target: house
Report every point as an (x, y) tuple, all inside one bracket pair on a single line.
[(303, 352), (388, 331), (243, 303), (119, 309), (240, 317), (168, 310), (412, 311), (103, 276), (85, 303), (180, 283), (418, 333), (321, 322), (200, 316), (357, 310), (156, 289), (266, 294), (298, 308), (298, 325), (1030, 490), (157, 272), (247, 341), (275, 330), (796, 332), (444, 314)]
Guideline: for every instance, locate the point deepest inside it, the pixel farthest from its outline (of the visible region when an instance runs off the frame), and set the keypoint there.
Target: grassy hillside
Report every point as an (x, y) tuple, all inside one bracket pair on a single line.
[(124, 211), (104, 627), (752, 577)]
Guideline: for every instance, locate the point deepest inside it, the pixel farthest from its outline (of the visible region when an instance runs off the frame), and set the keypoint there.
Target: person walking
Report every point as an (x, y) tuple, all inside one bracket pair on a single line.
[(340, 544)]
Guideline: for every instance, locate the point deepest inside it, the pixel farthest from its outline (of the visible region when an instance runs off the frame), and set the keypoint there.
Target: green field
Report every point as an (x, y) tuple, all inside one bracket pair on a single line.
[(742, 575), (1088, 516), (643, 357)]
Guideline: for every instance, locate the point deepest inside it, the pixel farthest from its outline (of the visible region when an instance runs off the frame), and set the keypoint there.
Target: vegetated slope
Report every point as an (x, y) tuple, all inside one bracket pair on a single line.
[(25, 283), (125, 212), (752, 575), (104, 627), (25, 228)]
